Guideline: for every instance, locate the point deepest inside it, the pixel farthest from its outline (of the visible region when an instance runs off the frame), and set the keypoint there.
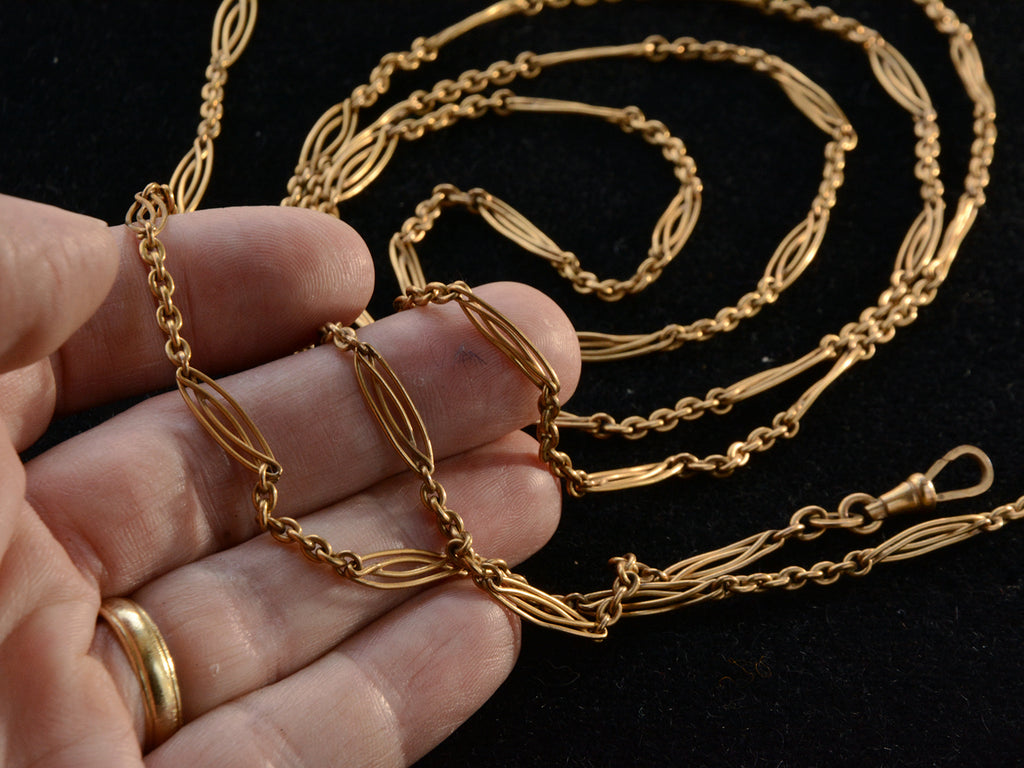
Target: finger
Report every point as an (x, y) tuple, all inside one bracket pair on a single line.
[(55, 269), (252, 283), (249, 616), (58, 711), (276, 273), (383, 698), (27, 395), (149, 490)]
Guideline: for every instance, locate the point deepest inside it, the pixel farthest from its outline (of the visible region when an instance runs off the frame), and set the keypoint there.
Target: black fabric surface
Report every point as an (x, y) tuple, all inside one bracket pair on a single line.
[(918, 664)]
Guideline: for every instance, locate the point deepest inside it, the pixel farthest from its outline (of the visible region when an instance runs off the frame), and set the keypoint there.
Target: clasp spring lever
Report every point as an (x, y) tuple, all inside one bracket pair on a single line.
[(918, 491)]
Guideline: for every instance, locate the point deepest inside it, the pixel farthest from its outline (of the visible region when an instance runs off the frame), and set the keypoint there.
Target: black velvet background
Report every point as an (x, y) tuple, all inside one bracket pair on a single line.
[(918, 664)]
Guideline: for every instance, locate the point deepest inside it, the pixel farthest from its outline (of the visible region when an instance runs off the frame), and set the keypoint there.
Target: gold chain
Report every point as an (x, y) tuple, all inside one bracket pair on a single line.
[(338, 162)]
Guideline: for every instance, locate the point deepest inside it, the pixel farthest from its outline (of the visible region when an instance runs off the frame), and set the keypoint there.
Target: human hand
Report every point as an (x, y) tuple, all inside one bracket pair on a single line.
[(280, 661)]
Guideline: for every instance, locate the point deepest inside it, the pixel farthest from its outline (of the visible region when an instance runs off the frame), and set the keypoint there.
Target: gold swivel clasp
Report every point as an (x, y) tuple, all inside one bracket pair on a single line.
[(918, 491)]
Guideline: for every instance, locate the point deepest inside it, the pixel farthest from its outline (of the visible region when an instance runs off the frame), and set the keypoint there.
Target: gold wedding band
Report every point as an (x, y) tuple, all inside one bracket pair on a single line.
[(152, 664)]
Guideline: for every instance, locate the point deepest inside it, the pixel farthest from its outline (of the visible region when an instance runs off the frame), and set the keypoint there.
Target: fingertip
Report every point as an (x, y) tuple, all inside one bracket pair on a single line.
[(544, 323), (294, 262), (475, 642), (497, 630), (515, 629), (525, 496), (252, 284), (339, 262), (505, 628)]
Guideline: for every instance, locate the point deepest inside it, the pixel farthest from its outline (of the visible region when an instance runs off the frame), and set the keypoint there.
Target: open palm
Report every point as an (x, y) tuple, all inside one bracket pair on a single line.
[(280, 662)]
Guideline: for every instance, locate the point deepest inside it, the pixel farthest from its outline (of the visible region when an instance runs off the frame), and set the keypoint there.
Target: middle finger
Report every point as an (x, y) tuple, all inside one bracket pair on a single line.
[(150, 491)]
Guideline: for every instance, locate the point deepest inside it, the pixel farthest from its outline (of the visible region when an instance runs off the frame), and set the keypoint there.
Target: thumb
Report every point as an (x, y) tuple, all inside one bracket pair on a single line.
[(56, 267)]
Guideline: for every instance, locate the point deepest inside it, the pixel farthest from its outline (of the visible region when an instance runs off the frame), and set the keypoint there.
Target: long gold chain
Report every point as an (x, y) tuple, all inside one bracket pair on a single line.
[(338, 161)]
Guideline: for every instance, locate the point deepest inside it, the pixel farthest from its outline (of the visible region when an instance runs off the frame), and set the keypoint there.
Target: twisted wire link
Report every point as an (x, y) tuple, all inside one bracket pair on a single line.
[(921, 266), (639, 589), (711, 577), (673, 227)]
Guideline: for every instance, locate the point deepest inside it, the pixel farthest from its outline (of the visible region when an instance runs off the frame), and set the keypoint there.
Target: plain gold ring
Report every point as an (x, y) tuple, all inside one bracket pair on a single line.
[(152, 664)]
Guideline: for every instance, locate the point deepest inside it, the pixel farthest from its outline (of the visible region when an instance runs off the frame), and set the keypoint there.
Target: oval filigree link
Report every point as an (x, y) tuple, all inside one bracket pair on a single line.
[(393, 409), (899, 79), (507, 337), (226, 421)]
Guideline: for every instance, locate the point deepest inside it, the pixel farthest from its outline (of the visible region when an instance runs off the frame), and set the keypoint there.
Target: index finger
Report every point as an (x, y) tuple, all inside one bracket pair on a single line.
[(264, 279)]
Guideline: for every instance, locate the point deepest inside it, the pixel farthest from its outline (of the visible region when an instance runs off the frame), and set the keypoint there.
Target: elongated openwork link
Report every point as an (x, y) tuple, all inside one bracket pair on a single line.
[(338, 161)]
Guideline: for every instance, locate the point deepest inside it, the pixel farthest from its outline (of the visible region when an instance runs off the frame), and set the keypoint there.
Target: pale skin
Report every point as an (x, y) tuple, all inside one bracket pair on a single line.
[(280, 662)]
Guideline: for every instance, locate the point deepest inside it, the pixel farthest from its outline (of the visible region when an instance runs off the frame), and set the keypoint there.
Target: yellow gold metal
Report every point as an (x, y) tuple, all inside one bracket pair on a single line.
[(981, 460), (918, 491), (232, 28), (152, 664), (393, 408), (339, 159), (328, 174), (676, 223), (224, 419), (915, 493)]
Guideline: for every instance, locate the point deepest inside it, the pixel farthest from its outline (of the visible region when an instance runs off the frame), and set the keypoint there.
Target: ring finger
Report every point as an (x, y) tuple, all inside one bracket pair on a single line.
[(251, 615)]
